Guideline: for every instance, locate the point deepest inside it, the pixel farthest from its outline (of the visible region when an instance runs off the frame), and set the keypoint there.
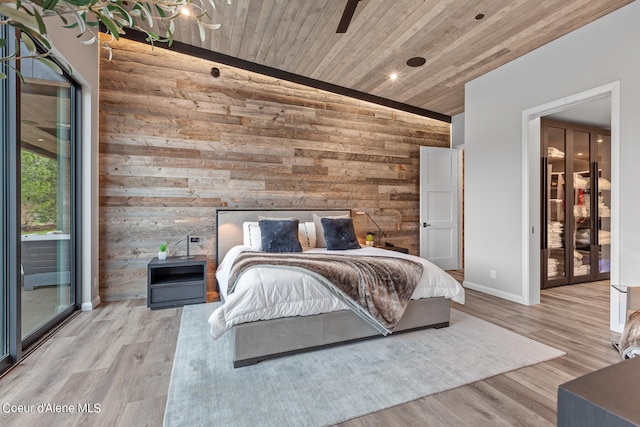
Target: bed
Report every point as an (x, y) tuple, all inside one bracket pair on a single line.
[(272, 310)]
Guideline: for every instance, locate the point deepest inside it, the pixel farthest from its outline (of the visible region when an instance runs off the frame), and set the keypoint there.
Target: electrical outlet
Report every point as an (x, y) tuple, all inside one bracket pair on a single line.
[(194, 239), (493, 273)]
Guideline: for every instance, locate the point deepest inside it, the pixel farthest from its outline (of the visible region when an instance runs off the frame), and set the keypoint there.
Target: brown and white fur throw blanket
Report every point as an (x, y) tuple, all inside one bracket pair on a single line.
[(378, 289), (630, 341)]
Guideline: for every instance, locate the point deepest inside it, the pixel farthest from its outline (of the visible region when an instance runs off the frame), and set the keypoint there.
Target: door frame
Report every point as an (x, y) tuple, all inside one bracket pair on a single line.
[(531, 192)]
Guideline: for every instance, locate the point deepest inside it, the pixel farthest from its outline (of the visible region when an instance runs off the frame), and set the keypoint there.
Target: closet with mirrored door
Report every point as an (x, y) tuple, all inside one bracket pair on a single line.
[(576, 201)]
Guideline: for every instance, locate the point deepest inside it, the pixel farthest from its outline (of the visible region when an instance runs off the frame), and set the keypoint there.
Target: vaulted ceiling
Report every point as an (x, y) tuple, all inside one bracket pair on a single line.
[(459, 39)]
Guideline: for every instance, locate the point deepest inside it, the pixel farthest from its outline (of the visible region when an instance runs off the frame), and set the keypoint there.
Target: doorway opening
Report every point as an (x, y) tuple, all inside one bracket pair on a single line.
[(607, 100)]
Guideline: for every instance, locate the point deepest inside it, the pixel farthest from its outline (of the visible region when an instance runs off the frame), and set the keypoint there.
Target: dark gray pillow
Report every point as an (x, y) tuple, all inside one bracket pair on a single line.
[(279, 235), (317, 221), (339, 233)]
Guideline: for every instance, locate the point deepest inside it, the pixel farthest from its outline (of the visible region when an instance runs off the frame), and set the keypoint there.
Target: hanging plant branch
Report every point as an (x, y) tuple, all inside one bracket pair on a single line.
[(84, 16)]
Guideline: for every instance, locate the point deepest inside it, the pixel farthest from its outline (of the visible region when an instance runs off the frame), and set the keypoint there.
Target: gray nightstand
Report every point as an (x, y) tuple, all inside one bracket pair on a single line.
[(175, 282)]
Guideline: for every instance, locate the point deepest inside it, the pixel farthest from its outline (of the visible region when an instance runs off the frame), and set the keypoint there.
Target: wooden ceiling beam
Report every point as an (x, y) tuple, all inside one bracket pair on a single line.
[(347, 16)]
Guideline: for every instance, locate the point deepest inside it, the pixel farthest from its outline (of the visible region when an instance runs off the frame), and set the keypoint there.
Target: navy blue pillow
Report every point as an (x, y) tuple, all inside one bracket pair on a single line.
[(279, 235), (339, 233)]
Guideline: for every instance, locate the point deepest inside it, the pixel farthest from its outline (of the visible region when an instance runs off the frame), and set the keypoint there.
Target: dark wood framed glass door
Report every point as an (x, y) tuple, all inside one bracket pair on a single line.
[(575, 188)]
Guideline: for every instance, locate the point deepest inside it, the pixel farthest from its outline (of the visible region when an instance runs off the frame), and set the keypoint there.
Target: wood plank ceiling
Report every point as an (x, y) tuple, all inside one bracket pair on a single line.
[(299, 36)]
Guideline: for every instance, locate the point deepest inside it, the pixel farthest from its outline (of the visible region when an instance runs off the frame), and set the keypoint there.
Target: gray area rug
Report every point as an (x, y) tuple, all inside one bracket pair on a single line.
[(328, 386)]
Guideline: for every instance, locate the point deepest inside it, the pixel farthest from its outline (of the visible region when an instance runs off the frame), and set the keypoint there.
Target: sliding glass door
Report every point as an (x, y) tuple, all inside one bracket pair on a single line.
[(39, 201), (7, 162), (46, 196)]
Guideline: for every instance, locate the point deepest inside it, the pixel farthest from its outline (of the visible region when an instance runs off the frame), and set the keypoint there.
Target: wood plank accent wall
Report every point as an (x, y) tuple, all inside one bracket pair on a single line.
[(177, 143)]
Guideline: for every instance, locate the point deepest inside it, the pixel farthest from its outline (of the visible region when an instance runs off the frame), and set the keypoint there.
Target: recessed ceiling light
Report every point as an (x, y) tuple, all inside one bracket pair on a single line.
[(393, 76), (416, 61), (185, 11), (479, 16)]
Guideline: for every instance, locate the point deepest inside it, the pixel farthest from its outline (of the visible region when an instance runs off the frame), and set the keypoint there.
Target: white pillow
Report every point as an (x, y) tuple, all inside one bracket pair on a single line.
[(252, 237), (307, 234)]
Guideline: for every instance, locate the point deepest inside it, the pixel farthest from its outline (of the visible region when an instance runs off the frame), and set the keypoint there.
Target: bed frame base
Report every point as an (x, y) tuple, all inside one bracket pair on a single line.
[(257, 341)]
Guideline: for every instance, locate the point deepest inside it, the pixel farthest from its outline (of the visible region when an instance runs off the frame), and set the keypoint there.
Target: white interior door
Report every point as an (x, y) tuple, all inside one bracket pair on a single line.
[(440, 206)]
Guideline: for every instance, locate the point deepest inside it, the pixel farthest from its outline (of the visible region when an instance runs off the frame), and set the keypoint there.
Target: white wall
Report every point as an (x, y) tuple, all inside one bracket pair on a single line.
[(457, 131), (84, 60), (598, 54)]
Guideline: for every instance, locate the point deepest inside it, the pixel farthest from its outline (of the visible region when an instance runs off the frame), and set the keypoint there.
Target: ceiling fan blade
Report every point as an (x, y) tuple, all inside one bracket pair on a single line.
[(349, 10)]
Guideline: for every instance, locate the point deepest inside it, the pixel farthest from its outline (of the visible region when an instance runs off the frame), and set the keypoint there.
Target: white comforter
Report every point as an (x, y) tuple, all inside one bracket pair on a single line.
[(267, 293)]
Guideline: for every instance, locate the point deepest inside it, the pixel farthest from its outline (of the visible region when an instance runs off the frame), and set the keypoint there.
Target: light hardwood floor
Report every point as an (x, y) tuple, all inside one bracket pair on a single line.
[(120, 355)]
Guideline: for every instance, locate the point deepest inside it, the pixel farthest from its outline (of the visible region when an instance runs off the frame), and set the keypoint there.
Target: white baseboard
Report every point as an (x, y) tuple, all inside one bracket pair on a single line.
[(88, 306), (494, 292)]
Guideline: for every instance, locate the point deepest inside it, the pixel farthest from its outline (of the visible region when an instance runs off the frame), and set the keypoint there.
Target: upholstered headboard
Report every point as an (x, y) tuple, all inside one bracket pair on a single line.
[(229, 223)]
